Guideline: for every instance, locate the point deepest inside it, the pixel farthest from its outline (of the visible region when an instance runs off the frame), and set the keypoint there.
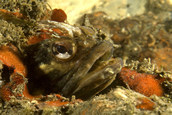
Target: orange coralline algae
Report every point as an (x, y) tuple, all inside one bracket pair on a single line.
[(56, 103), (7, 90), (17, 14), (146, 84), (9, 57), (145, 104)]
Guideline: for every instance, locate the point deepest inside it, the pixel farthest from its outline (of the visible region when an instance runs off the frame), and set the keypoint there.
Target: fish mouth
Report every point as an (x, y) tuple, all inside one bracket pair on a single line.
[(92, 73)]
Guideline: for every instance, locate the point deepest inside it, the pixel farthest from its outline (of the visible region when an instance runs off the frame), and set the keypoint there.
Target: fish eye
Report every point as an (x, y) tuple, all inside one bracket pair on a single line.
[(63, 50)]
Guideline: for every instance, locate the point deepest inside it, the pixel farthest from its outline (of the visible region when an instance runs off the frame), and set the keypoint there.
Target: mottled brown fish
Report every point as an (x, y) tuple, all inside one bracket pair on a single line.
[(59, 58), (74, 60)]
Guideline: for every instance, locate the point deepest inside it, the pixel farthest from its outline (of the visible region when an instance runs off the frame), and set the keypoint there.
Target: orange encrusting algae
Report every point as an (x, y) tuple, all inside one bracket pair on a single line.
[(9, 58), (17, 14), (146, 84), (8, 90), (59, 102), (56, 103), (145, 104)]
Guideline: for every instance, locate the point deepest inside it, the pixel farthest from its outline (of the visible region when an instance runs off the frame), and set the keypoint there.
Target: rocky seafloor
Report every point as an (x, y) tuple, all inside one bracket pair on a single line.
[(144, 35)]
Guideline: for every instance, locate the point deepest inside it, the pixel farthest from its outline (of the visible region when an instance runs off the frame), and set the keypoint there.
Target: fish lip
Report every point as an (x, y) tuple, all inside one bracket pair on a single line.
[(85, 65), (103, 76)]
